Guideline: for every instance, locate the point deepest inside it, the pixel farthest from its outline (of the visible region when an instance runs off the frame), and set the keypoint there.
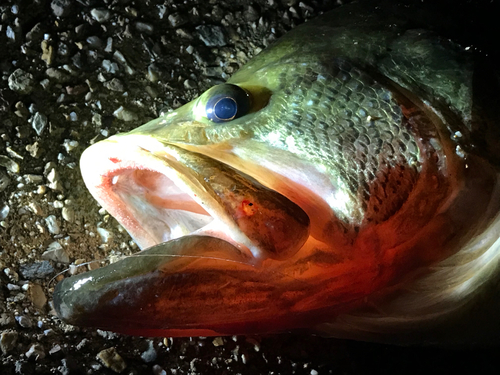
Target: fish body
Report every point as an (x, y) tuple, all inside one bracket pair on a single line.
[(344, 181)]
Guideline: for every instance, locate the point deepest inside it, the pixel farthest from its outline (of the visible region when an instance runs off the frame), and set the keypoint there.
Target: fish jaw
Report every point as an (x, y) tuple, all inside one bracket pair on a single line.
[(206, 288)]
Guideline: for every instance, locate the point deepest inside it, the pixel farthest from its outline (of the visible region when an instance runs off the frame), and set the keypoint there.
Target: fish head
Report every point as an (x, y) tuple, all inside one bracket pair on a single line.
[(309, 184)]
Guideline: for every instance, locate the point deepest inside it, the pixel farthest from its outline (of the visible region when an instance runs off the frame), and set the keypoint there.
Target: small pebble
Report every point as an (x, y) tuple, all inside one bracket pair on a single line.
[(114, 85), (4, 181), (125, 114), (36, 351), (7, 320), (100, 15), (70, 145), (9, 164), (57, 75), (110, 67), (95, 42), (56, 348), (4, 211), (251, 14), (35, 208), (37, 296), (118, 56), (144, 27), (33, 178), (68, 214), (21, 81), (48, 52), (11, 34), (11, 274), (39, 122), (56, 253), (218, 341), (177, 20), (106, 235), (24, 321), (8, 341), (13, 287), (184, 34), (190, 84), (52, 224), (158, 370), (61, 8), (112, 360), (149, 355)]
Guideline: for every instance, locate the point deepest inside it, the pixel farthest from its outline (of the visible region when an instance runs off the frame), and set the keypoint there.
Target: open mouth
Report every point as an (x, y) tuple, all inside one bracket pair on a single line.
[(154, 200), (161, 192)]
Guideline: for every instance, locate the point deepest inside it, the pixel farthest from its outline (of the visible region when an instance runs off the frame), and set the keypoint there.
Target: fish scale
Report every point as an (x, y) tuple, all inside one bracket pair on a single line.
[(346, 149)]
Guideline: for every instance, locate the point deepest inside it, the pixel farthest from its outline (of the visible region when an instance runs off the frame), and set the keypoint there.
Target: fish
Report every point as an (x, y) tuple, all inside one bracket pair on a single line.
[(343, 182)]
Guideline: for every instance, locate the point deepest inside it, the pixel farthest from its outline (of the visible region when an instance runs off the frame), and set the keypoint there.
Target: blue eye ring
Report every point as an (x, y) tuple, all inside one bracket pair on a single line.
[(227, 102)]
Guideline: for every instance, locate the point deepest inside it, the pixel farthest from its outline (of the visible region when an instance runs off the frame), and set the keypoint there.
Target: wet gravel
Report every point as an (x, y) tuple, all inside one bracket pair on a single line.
[(75, 72)]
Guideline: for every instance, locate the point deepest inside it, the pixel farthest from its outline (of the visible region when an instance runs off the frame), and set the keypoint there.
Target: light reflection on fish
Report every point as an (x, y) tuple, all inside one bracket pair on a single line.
[(344, 181)]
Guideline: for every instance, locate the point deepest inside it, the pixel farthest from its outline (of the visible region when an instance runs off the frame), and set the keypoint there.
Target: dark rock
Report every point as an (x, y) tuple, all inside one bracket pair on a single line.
[(24, 368), (4, 182), (251, 14), (35, 33), (36, 351), (37, 270), (21, 81), (8, 340), (7, 320), (69, 366), (24, 321), (211, 35), (58, 75), (213, 71), (177, 20), (77, 90), (114, 85), (190, 84), (217, 13), (77, 60)]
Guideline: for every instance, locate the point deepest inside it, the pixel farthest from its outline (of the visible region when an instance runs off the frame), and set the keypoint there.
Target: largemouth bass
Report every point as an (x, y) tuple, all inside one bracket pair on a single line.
[(344, 181)]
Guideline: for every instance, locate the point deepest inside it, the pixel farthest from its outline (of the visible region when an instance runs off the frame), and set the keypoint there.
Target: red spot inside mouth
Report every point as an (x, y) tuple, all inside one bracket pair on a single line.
[(114, 160), (248, 208)]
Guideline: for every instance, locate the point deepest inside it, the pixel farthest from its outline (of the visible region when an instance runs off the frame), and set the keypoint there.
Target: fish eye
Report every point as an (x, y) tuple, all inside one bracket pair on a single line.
[(227, 102)]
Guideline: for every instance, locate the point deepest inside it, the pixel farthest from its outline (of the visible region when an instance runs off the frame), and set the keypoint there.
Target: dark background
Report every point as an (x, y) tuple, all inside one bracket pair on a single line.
[(78, 92)]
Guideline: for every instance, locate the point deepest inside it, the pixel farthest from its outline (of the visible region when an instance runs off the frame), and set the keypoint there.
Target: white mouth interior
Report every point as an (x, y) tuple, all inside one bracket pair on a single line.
[(160, 207)]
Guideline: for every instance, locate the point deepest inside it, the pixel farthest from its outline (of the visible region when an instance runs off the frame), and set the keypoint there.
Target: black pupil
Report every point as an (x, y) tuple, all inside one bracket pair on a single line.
[(226, 108)]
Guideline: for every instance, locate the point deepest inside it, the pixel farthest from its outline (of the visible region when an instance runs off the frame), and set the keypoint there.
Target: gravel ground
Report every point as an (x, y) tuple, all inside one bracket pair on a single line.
[(74, 72)]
